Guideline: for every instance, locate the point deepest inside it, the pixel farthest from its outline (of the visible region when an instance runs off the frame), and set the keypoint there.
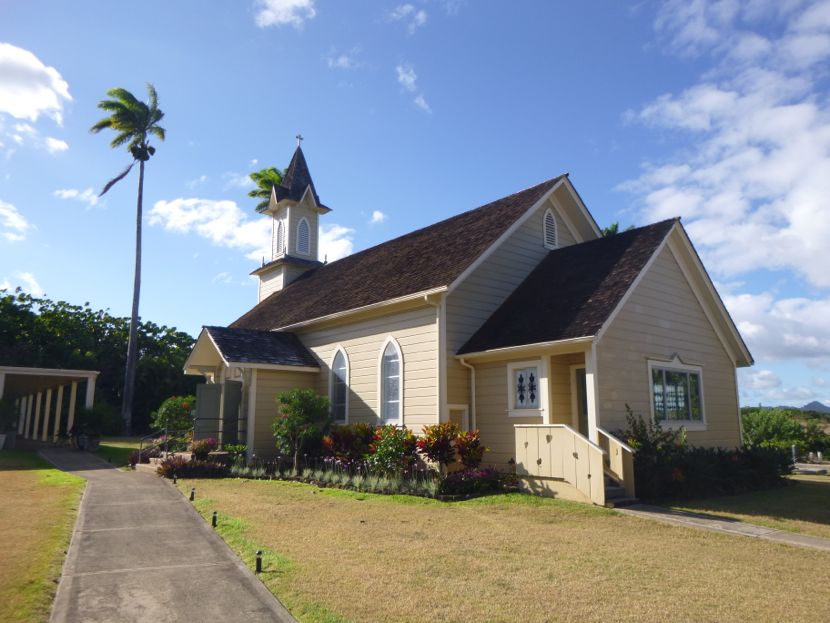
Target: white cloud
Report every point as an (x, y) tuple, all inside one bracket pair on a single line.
[(335, 242), (223, 223), (414, 17), (779, 329), (238, 180), (281, 12), (54, 145), (223, 277), (88, 196), (27, 282), (421, 103), (753, 179), (761, 379), (28, 88), (198, 181), (343, 60), (377, 217), (407, 77), (13, 225)]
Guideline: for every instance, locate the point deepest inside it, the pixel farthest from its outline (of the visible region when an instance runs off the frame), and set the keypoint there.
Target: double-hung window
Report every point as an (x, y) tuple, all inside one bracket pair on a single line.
[(677, 394)]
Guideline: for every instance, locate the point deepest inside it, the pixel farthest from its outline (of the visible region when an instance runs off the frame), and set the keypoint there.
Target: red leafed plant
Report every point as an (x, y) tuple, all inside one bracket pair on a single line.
[(438, 442), (470, 450)]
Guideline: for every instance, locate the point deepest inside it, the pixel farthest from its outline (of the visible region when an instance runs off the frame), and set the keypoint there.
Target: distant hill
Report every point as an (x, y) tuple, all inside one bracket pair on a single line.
[(816, 406)]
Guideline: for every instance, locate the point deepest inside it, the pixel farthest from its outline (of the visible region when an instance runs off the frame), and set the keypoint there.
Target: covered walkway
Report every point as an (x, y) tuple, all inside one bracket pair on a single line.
[(41, 400)]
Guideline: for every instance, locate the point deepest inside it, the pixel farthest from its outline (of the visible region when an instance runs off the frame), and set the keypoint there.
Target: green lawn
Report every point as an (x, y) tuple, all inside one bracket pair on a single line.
[(803, 507), (38, 506), (334, 555), (117, 449)]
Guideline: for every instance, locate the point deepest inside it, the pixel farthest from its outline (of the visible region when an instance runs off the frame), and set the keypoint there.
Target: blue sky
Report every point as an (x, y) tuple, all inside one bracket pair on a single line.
[(716, 111)]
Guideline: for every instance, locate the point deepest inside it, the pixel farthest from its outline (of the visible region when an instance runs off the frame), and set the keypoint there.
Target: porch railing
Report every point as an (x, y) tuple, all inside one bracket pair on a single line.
[(559, 453), (619, 460)]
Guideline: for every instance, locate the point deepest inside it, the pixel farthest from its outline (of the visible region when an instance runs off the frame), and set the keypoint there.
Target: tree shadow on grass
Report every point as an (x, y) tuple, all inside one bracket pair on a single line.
[(807, 500)]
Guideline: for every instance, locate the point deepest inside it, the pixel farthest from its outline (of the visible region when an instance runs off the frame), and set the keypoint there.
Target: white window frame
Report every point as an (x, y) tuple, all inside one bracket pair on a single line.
[(545, 230), (337, 351), (399, 422), (308, 227), (676, 365), (541, 388)]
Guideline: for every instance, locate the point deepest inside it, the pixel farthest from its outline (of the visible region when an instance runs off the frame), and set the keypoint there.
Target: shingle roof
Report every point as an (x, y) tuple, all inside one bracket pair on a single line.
[(572, 292), (270, 347), (296, 179), (416, 262)]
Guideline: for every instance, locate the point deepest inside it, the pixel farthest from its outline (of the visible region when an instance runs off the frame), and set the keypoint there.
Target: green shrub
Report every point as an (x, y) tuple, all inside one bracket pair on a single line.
[(393, 451), (236, 451), (304, 416), (470, 450), (175, 413)]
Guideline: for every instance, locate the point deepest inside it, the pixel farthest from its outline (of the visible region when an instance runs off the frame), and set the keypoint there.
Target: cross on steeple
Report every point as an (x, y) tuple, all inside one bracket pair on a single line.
[(299, 138)]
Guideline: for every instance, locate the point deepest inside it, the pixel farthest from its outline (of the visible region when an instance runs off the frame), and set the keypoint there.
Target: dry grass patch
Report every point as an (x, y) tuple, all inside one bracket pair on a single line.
[(803, 507), (38, 506), (360, 557)]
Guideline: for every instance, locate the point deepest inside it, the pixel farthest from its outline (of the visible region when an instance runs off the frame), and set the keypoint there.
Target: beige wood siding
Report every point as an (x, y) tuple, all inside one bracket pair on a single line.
[(496, 427), (662, 318), (269, 384), (270, 282), (415, 332), (489, 285), (561, 400)]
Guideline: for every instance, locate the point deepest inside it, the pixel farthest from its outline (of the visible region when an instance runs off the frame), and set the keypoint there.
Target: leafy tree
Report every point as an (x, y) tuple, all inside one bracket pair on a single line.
[(613, 229), (38, 332), (265, 181), (134, 121), (781, 428), (303, 416), (175, 413)]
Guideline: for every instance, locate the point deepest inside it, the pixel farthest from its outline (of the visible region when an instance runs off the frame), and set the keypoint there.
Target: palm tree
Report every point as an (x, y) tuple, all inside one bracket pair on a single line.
[(134, 121), (265, 180)]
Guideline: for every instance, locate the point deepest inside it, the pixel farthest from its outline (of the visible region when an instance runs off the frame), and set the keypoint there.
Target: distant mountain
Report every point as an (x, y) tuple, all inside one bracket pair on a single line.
[(816, 406)]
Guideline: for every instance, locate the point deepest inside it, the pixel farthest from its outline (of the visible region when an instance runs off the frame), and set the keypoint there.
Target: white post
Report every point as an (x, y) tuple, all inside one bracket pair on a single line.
[(21, 416), (47, 411), (37, 415), (591, 389), (28, 416), (58, 410), (2, 383), (73, 394), (249, 432), (90, 392)]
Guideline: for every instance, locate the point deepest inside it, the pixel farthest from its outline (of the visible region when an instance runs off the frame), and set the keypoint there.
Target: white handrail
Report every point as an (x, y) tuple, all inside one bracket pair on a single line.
[(624, 445)]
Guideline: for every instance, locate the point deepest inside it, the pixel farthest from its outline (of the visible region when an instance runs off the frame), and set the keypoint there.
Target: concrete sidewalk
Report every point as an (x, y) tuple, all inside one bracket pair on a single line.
[(715, 523), (141, 552)]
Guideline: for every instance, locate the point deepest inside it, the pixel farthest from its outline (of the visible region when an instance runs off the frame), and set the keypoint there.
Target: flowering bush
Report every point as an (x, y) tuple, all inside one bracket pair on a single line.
[(470, 450), (393, 450), (183, 468), (202, 447), (438, 442), (146, 455), (349, 443), (175, 413), (468, 481)]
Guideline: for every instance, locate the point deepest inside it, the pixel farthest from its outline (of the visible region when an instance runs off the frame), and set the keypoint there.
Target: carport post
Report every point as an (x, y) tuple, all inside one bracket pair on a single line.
[(73, 393), (90, 392), (21, 416), (2, 383), (28, 416), (47, 411), (36, 423), (58, 409)]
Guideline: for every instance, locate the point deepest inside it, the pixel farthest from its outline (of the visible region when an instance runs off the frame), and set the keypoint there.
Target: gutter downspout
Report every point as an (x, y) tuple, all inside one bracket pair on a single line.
[(472, 392)]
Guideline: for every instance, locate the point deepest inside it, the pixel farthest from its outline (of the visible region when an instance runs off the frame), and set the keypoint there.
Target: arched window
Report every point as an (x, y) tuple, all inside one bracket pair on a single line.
[(279, 239), (303, 243), (551, 239), (339, 386), (391, 383)]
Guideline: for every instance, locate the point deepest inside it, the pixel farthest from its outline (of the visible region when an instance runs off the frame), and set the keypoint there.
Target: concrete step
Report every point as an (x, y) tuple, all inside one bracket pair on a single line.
[(148, 468), (620, 502)]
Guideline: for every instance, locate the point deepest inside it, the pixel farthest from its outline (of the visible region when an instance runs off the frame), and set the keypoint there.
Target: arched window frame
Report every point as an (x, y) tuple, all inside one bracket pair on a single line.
[(332, 376), (279, 239), (300, 249), (550, 241), (381, 395)]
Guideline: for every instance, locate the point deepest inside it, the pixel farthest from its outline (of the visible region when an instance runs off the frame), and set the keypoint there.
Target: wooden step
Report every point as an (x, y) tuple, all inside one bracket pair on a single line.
[(619, 502)]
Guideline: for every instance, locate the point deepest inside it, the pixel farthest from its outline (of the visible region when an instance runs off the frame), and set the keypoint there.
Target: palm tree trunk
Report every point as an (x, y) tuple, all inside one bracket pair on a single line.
[(132, 345)]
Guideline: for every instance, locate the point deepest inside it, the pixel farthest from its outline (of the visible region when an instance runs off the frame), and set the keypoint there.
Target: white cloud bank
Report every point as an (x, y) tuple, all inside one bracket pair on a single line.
[(752, 182), (408, 79), (224, 224), (13, 225), (282, 12)]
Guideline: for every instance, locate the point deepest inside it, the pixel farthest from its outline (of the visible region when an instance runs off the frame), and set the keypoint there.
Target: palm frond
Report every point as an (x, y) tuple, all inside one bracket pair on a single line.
[(153, 102), (106, 122), (116, 179), (158, 132), (124, 96)]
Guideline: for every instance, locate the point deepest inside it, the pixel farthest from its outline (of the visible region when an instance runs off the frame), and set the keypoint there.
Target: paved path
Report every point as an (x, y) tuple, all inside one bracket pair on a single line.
[(724, 524), (141, 552)]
